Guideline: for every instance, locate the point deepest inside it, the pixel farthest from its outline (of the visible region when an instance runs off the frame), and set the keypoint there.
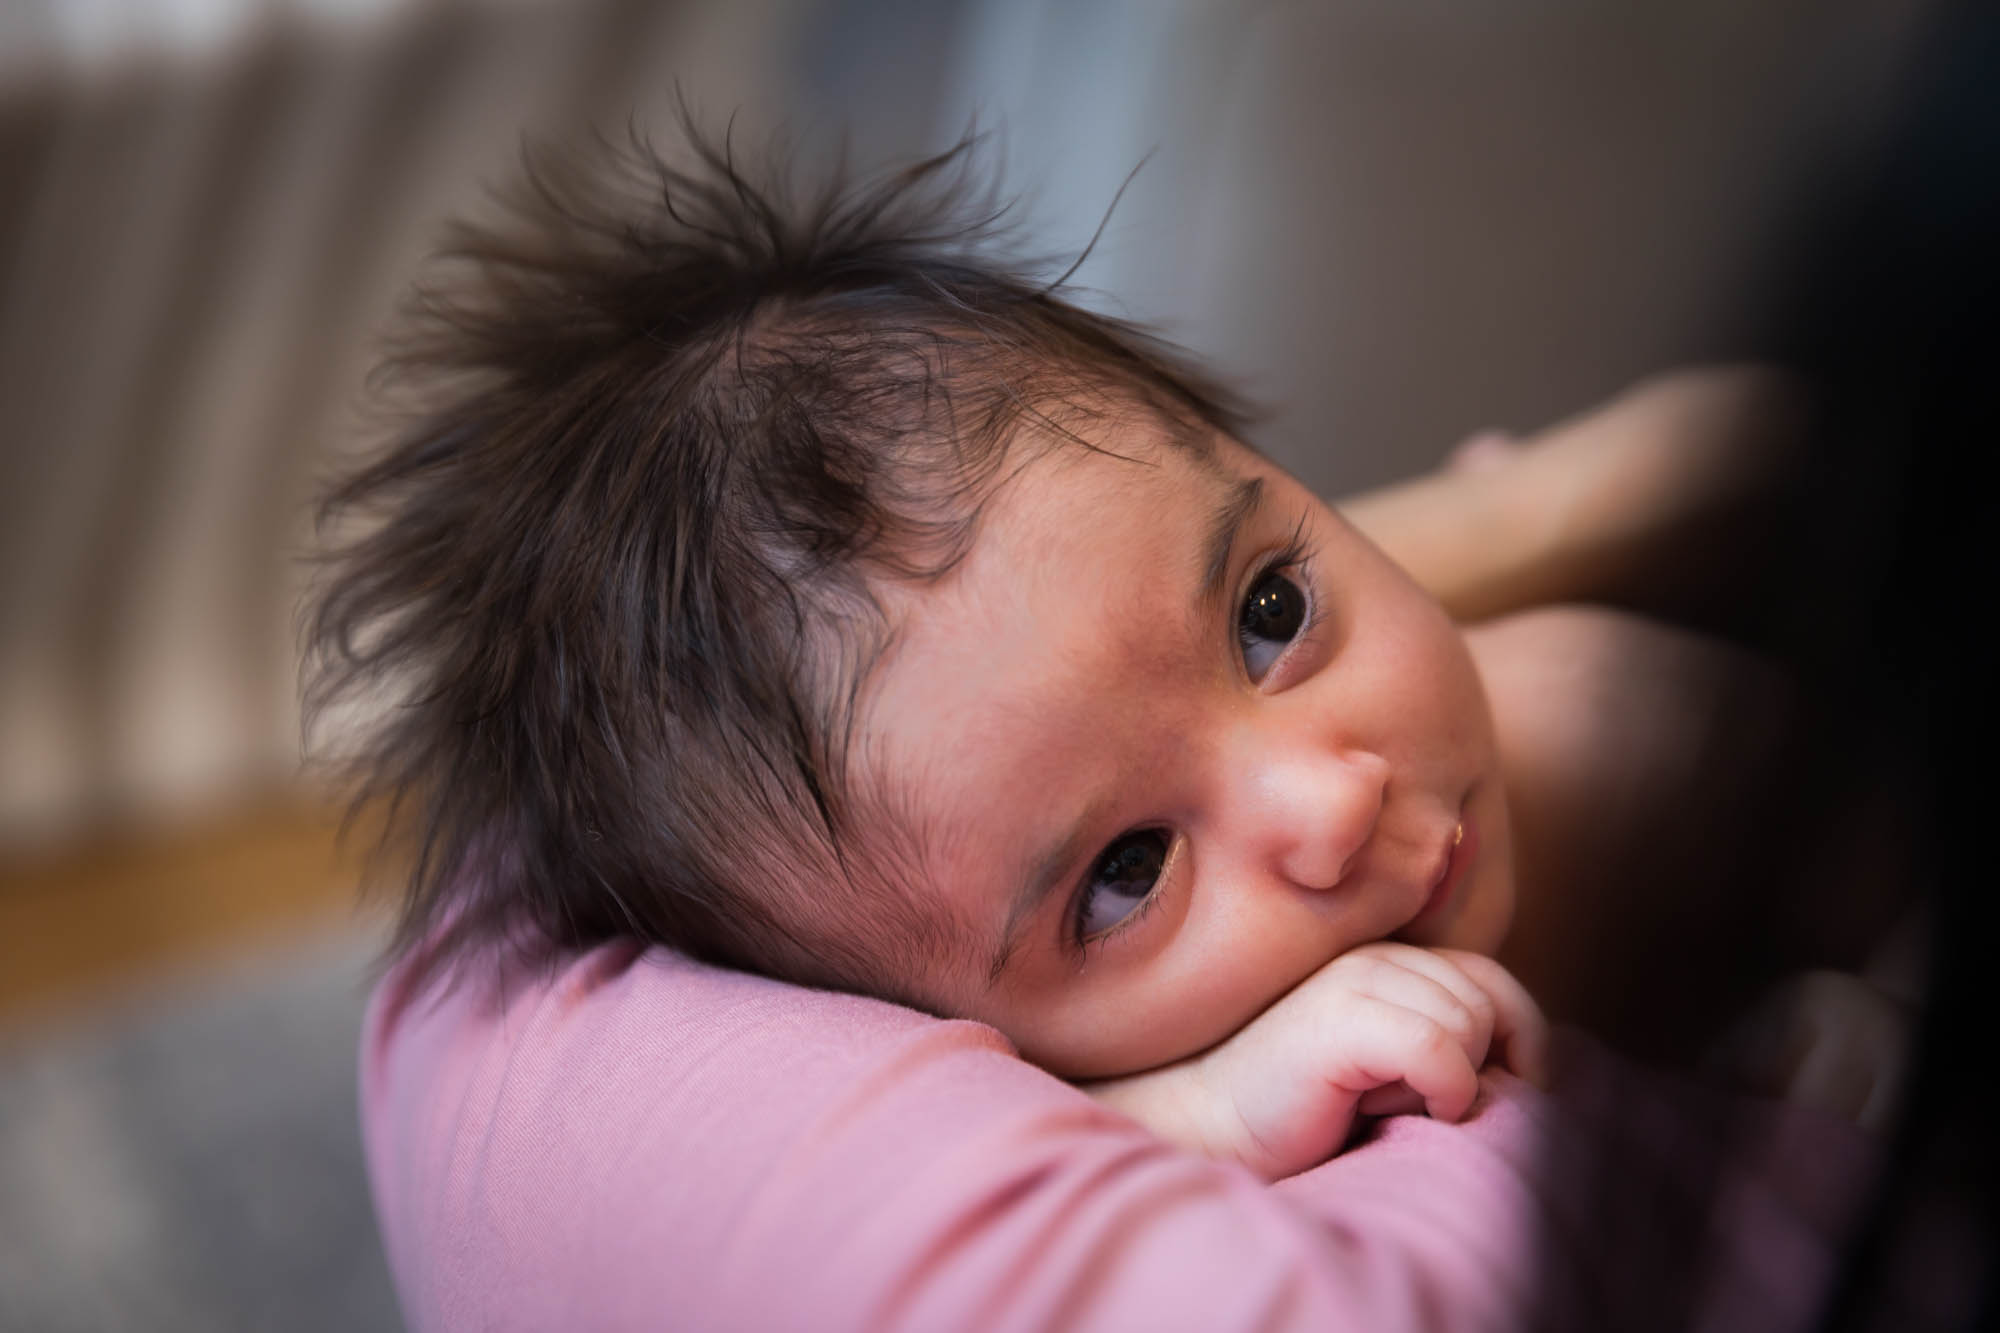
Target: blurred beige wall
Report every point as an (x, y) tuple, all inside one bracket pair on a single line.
[(1397, 220)]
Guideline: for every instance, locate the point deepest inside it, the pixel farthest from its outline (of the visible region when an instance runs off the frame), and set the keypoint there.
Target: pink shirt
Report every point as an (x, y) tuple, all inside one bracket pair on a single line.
[(639, 1141)]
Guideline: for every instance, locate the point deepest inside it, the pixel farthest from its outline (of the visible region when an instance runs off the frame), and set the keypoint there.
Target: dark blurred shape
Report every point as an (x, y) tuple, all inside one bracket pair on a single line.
[(1894, 316), (1872, 585)]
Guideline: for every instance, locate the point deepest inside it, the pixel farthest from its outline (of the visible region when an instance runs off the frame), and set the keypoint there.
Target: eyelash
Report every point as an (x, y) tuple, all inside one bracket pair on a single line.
[(1297, 554)]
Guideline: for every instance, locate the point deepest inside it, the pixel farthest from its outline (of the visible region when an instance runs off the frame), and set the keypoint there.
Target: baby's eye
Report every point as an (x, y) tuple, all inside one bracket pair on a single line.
[(1121, 880), (1273, 614)]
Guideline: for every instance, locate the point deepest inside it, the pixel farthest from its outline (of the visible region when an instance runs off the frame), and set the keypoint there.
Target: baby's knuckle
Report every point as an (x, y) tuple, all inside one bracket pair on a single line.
[(1363, 968), (1463, 1025), (1433, 1040)]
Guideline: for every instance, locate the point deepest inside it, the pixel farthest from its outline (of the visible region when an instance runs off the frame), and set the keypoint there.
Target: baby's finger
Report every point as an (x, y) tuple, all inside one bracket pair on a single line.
[(1439, 966), (1453, 1003), (1387, 1043), (1519, 1029)]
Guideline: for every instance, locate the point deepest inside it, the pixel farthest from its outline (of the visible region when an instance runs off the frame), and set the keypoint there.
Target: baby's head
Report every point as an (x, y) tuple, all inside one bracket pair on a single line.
[(789, 584)]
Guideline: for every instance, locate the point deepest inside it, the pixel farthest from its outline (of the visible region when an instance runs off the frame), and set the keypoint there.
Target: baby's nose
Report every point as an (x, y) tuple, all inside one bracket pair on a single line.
[(1319, 809)]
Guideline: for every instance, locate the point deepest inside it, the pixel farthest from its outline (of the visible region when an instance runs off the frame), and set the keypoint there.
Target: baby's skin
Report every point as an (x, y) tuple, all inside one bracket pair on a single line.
[(1382, 1029), (1225, 799), (1193, 737), (1230, 833)]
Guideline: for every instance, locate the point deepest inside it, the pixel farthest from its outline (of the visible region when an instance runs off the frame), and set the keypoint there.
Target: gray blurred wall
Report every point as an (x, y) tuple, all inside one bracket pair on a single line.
[(1395, 220)]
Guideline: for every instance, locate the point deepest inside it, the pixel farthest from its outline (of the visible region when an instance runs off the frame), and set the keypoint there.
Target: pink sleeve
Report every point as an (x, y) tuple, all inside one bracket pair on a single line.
[(638, 1141)]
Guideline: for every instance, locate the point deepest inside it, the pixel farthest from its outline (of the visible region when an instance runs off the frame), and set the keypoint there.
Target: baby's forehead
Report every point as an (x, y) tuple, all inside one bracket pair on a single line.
[(1061, 488), (1081, 548), (1077, 549)]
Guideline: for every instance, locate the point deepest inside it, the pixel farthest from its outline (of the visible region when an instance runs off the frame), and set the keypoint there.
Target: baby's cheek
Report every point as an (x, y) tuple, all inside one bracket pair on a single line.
[(1107, 1035), (1179, 1006)]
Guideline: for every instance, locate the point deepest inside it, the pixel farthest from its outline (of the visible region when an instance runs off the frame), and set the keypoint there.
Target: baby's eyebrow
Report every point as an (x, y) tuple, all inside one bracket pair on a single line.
[(1238, 503)]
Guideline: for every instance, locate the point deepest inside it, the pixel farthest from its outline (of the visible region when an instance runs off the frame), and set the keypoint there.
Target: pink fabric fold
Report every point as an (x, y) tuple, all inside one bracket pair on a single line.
[(634, 1140)]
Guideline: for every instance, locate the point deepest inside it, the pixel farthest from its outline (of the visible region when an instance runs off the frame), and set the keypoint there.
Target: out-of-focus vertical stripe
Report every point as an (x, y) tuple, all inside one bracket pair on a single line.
[(202, 234)]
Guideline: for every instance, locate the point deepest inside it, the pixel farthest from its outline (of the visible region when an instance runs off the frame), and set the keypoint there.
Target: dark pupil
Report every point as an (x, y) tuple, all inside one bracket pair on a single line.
[(1275, 610), (1133, 863)]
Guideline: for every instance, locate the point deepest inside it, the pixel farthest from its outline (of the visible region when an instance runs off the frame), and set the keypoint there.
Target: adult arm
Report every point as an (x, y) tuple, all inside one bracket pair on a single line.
[(637, 1141)]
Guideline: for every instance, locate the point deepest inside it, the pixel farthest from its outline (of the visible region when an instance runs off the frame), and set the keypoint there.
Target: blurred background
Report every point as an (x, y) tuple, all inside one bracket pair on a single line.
[(1394, 221)]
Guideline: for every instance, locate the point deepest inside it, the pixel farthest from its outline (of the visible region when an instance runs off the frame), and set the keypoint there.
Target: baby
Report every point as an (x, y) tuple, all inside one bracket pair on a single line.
[(784, 582)]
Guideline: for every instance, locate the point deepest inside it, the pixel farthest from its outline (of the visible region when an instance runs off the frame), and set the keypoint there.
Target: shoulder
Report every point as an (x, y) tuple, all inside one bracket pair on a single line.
[(1583, 691), (568, 1148), (636, 1137)]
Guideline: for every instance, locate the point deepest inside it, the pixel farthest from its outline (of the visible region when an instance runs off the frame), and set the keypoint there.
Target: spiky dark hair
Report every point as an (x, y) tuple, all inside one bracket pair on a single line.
[(676, 421)]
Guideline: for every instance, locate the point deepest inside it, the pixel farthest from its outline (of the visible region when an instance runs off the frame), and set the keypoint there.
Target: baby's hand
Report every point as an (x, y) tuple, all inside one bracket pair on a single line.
[(1380, 1029)]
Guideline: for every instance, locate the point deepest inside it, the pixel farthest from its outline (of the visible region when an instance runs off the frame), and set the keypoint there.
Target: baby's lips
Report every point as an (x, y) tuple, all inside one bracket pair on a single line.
[(1454, 859)]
